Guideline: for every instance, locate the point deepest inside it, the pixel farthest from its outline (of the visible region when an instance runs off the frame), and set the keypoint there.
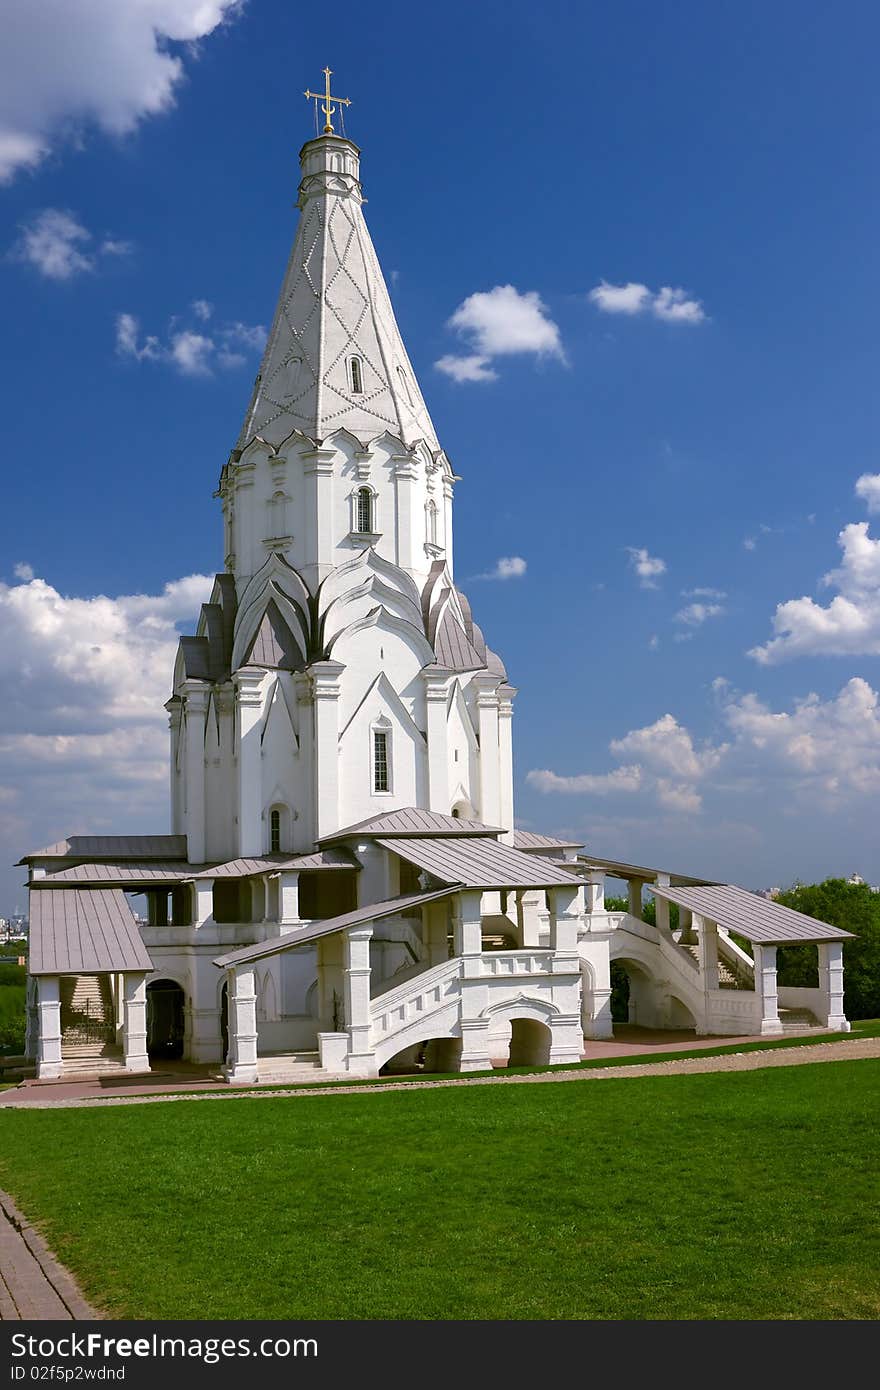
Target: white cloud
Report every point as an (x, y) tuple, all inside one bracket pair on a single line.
[(703, 593), (849, 625), (695, 614), (499, 323), (868, 488), (647, 567), (188, 351), (23, 571), (474, 368), (622, 779), (820, 754), (507, 567), (671, 305), (68, 65), (203, 309), (57, 245), (82, 686), (750, 543)]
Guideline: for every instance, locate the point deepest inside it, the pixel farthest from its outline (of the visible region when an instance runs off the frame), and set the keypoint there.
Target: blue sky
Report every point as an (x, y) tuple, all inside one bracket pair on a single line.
[(673, 456)]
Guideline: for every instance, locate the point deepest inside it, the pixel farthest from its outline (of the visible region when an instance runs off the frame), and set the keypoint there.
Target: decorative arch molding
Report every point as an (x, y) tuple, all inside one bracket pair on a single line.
[(538, 1010), (381, 617), (181, 978), (372, 587), (273, 584), (277, 706), (343, 578), (382, 687)]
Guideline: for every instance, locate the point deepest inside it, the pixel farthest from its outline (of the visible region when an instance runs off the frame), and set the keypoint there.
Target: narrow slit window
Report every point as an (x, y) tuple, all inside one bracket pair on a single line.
[(432, 522), (364, 510), (275, 832), (381, 782), (357, 376)]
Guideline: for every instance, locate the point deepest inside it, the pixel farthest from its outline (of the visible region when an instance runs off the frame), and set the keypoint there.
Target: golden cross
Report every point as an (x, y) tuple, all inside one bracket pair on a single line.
[(328, 109)]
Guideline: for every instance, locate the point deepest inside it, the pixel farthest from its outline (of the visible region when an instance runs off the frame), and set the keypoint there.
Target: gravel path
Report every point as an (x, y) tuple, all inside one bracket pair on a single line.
[(843, 1050)]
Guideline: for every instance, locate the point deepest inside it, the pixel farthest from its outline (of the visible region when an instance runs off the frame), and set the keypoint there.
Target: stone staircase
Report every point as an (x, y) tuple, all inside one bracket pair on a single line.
[(292, 1069), (727, 979), (88, 1026), (800, 1021)]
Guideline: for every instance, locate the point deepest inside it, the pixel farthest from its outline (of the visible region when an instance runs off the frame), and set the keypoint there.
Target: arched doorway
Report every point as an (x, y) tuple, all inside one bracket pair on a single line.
[(529, 1043), (165, 1019), (224, 1021)]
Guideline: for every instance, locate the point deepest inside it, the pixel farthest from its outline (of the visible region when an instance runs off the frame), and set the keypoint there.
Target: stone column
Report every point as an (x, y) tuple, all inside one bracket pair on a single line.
[(134, 1028), (241, 1066), (436, 696), (49, 1064), (248, 708), (708, 934), (487, 715), (32, 1017), (319, 539), (288, 899), (661, 905), (596, 992), (595, 885), (408, 536), (435, 922), (202, 901), (194, 711), (361, 1060), (506, 694), (635, 898), (326, 690), (305, 823), (447, 521), (564, 904), (527, 919), (766, 989), (686, 933), (831, 982), (174, 707), (474, 990)]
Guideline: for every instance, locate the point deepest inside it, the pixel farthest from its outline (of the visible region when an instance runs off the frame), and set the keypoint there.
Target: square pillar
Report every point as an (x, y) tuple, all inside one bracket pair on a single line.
[(49, 1063), (331, 984), (686, 933), (325, 693), (661, 905), (708, 934), (831, 982), (436, 696), (564, 904), (595, 884), (134, 1026), (468, 923), (361, 1060), (241, 1064), (202, 901), (248, 708), (635, 898), (288, 898), (487, 716), (195, 709), (766, 989), (435, 931), (527, 921), (506, 695)]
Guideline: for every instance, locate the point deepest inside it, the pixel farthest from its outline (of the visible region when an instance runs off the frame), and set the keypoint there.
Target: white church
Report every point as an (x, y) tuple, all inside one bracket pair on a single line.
[(344, 888)]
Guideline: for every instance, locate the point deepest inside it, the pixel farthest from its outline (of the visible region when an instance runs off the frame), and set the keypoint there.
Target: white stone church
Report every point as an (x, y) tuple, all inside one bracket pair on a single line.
[(344, 887)]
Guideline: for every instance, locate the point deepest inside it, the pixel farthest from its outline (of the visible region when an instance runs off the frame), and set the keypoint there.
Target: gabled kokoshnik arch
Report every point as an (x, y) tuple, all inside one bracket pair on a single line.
[(344, 882)]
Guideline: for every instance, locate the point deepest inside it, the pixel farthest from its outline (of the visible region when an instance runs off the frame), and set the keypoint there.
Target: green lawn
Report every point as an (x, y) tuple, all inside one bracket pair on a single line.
[(738, 1195)]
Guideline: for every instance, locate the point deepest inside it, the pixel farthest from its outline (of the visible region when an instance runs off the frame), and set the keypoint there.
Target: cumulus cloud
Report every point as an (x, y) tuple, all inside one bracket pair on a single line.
[(507, 567), (818, 754), (101, 64), (671, 305), (57, 245), (82, 686), (695, 614), (499, 323), (868, 488), (188, 351), (847, 626), (648, 567)]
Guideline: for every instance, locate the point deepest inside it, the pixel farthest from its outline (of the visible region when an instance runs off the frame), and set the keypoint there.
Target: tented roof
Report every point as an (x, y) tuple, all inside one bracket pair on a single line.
[(760, 920)]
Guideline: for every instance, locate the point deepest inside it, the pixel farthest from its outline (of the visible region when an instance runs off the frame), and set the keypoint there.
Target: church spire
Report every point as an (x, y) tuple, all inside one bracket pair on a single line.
[(335, 358)]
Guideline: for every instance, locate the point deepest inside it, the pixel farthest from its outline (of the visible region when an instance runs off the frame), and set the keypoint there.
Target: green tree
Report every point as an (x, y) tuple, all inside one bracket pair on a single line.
[(855, 908)]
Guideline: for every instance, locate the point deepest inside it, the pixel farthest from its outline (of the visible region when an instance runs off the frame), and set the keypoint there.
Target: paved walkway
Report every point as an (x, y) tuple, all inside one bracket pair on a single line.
[(841, 1050), (33, 1285)]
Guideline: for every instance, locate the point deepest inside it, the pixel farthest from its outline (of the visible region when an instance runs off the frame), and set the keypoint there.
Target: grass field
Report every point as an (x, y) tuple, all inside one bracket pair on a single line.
[(732, 1195)]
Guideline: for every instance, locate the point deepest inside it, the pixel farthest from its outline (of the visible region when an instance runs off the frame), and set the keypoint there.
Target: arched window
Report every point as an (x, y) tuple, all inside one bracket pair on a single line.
[(432, 522), (279, 829), (357, 376), (364, 520), (275, 832), (381, 757)]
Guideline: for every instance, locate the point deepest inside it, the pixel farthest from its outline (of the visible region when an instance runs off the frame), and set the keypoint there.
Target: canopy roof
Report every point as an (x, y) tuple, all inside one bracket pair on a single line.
[(114, 847), (616, 868), (412, 820), (480, 863), (759, 920), (81, 931), (373, 912), (530, 839), (148, 875)]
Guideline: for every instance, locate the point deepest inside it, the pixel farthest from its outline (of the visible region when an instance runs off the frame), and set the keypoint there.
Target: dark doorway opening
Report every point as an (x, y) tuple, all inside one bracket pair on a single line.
[(165, 1019)]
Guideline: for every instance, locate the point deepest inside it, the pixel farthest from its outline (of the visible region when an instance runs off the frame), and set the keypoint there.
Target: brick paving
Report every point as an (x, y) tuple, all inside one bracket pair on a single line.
[(33, 1285)]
